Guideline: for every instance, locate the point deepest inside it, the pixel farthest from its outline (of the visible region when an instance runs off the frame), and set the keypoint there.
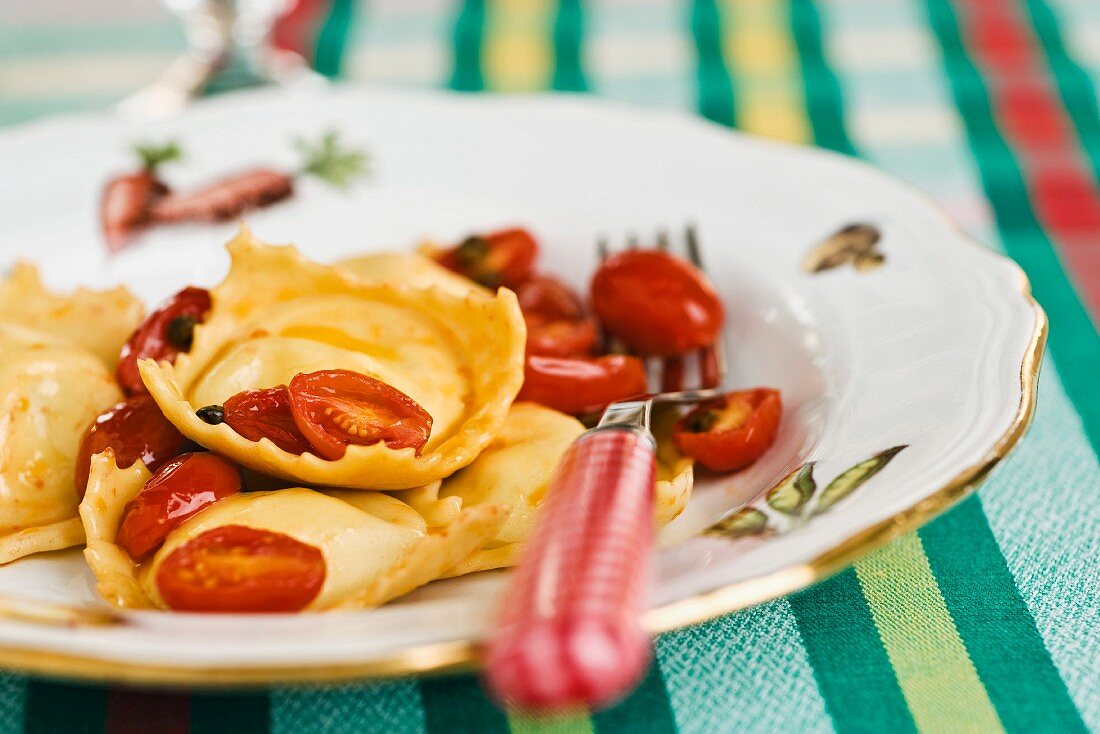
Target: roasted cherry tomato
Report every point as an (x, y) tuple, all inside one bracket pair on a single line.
[(166, 333), (505, 258), (656, 303), (177, 491), (134, 429), (731, 432), (561, 338), (557, 325), (257, 414), (550, 299), (335, 408), (581, 386), (235, 568)]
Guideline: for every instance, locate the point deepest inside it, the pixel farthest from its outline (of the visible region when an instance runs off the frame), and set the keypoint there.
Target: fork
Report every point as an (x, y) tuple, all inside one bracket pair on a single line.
[(569, 631)]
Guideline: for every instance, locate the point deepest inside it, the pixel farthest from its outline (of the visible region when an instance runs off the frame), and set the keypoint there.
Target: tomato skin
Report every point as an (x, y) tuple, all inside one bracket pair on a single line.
[(134, 429), (499, 259), (753, 417), (580, 386), (159, 338), (658, 304), (336, 408), (234, 568), (178, 490), (257, 414)]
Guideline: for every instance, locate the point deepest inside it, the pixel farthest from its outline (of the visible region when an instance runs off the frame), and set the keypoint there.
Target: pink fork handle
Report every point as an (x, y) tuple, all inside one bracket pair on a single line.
[(569, 630)]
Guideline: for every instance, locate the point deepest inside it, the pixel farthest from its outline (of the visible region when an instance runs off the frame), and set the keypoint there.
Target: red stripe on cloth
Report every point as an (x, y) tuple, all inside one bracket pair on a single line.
[(296, 29), (137, 712), (1031, 115)]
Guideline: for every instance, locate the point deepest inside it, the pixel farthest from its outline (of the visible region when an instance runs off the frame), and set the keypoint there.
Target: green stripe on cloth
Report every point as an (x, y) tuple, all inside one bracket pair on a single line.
[(331, 41), (568, 42), (853, 672), (824, 103), (13, 697), (468, 34), (747, 672), (458, 704), (64, 708), (230, 713), (935, 674), (1074, 342), (385, 707), (715, 86), (1074, 85), (647, 710), (999, 632)]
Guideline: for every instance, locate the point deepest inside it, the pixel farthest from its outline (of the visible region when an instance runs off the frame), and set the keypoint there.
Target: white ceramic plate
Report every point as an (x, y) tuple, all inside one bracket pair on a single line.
[(936, 350)]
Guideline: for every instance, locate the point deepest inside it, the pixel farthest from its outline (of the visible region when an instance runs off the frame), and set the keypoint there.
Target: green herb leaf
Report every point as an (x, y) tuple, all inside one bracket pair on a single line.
[(794, 490), (854, 478), (330, 162), (746, 521), (153, 155)]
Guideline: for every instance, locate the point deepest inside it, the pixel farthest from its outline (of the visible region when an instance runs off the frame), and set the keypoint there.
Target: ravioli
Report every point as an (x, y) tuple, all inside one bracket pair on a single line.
[(50, 392), (460, 355), (99, 321), (411, 268), (515, 471), (375, 547)]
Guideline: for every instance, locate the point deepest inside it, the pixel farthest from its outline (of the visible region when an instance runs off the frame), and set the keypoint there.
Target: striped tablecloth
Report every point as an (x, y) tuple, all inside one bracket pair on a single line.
[(985, 620)]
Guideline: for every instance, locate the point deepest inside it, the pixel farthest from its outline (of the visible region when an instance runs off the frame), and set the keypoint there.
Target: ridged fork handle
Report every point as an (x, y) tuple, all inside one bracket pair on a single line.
[(569, 631)]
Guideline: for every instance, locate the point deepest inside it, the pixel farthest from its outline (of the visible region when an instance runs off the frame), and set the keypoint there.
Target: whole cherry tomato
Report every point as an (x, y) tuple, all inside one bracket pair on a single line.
[(335, 408), (134, 429), (580, 386), (257, 414), (557, 325), (656, 303), (731, 432), (164, 334), (505, 258), (235, 568), (174, 493)]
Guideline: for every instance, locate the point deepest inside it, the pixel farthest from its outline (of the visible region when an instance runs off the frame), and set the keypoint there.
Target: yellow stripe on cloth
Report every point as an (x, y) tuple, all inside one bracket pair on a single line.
[(763, 62), (935, 673), (564, 723), (518, 54)]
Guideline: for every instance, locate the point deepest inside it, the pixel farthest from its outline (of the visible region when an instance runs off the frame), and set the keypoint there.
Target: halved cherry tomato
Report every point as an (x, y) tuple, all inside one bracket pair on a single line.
[(561, 338), (580, 386), (177, 491), (241, 569), (505, 258), (656, 303), (731, 432), (164, 334), (257, 414), (335, 408), (134, 429)]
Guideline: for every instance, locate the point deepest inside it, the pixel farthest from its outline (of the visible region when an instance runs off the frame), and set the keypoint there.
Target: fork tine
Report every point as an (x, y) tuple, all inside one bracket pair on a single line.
[(691, 241), (712, 360), (662, 239), (602, 250)]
